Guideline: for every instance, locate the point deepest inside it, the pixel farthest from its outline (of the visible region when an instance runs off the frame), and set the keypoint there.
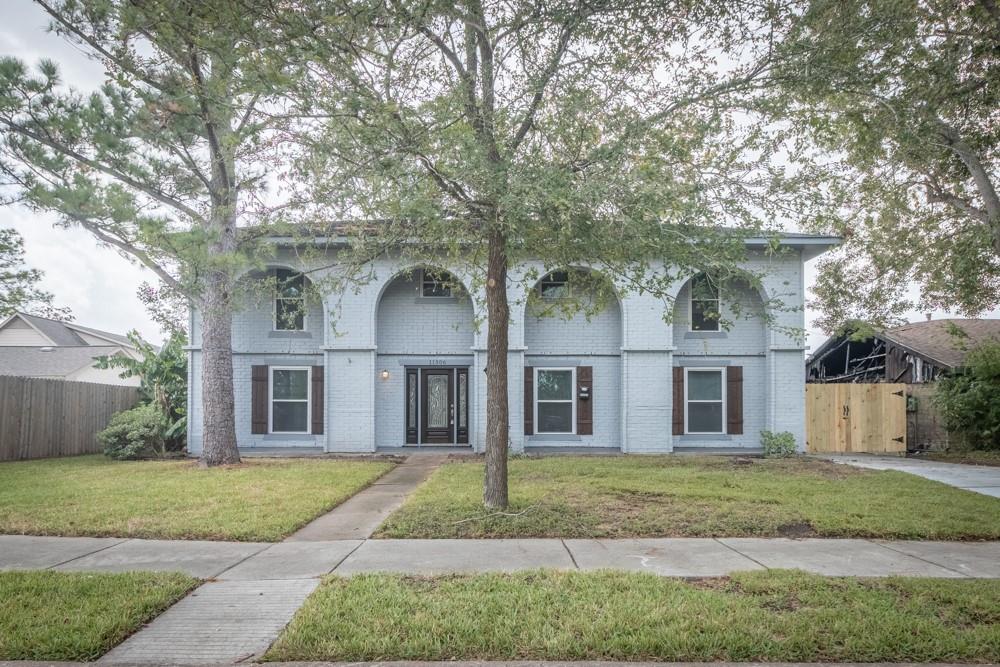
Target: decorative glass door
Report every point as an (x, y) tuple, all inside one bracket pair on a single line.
[(438, 400)]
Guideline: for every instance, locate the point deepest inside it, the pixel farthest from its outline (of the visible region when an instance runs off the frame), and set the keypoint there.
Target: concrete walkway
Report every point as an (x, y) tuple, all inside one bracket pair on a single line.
[(980, 479), (679, 557), (359, 516)]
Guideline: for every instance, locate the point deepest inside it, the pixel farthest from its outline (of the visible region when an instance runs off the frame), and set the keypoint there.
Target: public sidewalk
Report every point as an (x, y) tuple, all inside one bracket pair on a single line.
[(539, 663), (679, 557), (254, 589)]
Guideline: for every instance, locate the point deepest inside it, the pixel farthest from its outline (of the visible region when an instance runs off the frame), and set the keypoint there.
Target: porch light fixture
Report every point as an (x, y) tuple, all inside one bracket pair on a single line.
[(385, 373)]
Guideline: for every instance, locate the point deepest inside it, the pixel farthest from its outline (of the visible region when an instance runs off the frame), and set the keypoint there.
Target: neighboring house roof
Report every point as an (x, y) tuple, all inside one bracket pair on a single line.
[(51, 362), (32, 346), (934, 339), (912, 353), (68, 333)]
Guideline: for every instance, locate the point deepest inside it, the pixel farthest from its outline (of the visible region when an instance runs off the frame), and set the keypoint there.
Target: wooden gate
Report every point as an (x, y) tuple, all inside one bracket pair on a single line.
[(861, 418)]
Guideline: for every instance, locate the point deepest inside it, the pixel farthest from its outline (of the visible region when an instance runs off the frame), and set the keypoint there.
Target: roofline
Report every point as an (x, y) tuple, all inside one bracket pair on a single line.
[(919, 353), (816, 240), (28, 322), (99, 334)]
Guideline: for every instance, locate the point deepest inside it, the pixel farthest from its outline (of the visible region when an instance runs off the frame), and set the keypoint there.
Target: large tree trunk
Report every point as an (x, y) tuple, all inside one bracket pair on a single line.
[(497, 408), (218, 408)]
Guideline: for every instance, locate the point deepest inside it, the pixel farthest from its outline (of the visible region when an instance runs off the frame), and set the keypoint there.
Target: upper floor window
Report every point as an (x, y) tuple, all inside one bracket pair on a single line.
[(435, 284), (705, 304), (289, 301), (553, 286)]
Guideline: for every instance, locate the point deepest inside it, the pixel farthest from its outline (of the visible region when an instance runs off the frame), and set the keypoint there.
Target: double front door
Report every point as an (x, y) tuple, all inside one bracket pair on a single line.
[(437, 406)]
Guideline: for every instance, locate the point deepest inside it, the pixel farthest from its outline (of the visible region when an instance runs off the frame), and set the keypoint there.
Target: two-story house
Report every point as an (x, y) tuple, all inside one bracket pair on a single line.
[(404, 363)]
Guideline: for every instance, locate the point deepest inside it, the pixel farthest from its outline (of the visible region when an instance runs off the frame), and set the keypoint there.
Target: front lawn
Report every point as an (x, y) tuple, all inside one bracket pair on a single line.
[(693, 496), (773, 616), (79, 616), (95, 496)]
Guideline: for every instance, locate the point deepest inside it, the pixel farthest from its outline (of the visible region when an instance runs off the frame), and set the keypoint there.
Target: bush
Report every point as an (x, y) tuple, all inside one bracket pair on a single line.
[(134, 434), (968, 399), (777, 445)]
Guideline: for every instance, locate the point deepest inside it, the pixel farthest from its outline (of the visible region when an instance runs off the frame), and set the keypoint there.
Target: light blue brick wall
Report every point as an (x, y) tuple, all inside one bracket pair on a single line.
[(408, 323), (632, 349), (747, 333), (581, 340)]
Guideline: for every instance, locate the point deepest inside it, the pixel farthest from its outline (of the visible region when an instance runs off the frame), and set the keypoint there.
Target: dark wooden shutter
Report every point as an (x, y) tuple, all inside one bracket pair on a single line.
[(258, 399), (585, 406), (734, 400), (529, 400), (317, 400), (678, 400)]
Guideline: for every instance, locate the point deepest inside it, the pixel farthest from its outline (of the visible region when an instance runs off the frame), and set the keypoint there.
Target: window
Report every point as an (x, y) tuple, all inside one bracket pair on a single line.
[(290, 301), (705, 407), (553, 286), (704, 304), (290, 408), (555, 409), (436, 284)]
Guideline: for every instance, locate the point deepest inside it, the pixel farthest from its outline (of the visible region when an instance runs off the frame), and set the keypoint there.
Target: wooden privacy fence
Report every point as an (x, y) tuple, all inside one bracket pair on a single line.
[(41, 417), (861, 418)]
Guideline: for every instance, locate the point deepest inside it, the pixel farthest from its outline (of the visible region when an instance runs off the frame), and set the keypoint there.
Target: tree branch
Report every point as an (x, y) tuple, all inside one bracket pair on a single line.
[(104, 169)]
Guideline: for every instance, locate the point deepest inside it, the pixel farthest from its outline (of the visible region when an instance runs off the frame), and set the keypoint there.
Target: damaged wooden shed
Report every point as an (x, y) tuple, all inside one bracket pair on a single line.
[(914, 354)]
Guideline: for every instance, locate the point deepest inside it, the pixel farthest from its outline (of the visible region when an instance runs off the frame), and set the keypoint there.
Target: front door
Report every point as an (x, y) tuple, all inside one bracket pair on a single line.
[(438, 406)]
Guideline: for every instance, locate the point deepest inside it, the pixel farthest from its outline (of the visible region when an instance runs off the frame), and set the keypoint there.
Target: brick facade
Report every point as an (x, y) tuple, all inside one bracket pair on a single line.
[(632, 347)]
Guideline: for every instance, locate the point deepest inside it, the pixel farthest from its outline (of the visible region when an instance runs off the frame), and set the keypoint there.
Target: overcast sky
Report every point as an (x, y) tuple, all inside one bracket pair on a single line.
[(97, 283)]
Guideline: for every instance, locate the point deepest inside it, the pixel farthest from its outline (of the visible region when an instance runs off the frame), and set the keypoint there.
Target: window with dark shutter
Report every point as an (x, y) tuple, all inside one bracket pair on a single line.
[(258, 399), (734, 400), (529, 400), (585, 400), (678, 402), (317, 400)]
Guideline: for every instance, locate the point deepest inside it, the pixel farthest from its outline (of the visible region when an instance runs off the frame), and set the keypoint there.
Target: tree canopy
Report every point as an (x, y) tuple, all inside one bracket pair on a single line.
[(609, 134), (898, 103), (182, 145)]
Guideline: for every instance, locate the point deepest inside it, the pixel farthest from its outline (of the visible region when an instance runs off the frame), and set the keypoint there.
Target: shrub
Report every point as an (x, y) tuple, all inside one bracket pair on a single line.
[(968, 400), (777, 445), (135, 433), (162, 377)]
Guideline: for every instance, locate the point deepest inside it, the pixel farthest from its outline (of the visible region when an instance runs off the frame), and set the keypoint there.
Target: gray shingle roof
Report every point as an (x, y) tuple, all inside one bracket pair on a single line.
[(54, 330), (934, 339), (57, 362), (64, 333)]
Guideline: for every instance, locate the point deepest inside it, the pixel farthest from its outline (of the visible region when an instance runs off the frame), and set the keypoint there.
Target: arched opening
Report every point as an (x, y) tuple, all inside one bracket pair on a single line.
[(424, 332), (281, 302), (720, 364), (709, 309), (573, 341)]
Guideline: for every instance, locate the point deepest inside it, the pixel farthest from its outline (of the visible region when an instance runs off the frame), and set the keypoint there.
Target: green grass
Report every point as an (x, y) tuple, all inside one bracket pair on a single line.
[(79, 616), (780, 616), (687, 496), (93, 495), (970, 456)]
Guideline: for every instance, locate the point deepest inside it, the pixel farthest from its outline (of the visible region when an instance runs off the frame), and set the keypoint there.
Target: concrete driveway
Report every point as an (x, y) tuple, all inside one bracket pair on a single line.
[(980, 479)]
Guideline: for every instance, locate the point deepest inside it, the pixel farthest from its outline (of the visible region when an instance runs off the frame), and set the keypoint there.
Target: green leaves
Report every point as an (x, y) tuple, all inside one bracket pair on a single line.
[(900, 100)]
